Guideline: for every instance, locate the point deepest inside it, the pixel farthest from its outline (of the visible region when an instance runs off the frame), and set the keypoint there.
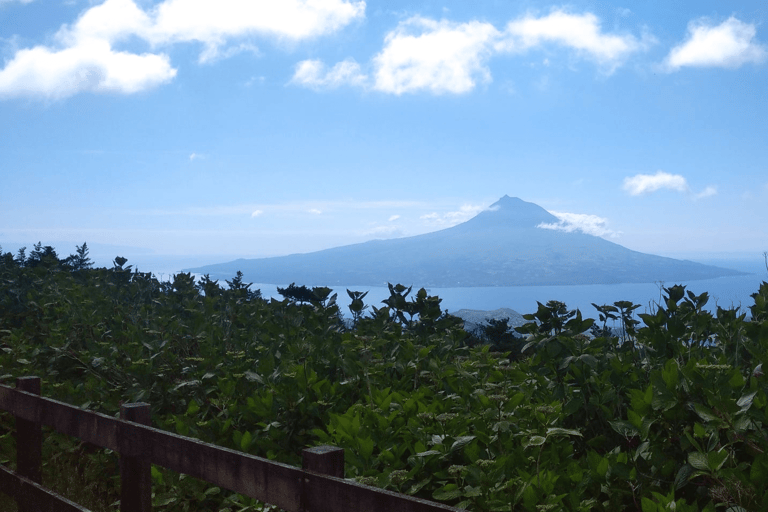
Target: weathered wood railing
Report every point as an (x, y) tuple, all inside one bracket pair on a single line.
[(318, 487)]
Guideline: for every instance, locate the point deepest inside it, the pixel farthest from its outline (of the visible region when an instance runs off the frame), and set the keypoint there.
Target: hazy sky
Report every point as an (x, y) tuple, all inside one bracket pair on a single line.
[(263, 128)]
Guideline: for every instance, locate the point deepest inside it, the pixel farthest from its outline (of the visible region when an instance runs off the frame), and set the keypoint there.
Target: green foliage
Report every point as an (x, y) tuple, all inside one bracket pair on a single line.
[(499, 336), (357, 306), (304, 295), (666, 413), (237, 288)]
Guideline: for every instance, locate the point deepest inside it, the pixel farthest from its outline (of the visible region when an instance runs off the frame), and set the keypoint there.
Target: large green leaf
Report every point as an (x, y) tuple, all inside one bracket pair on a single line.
[(447, 493), (461, 442), (557, 431), (698, 460), (715, 460), (366, 447), (648, 505), (534, 441), (245, 441), (745, 402)]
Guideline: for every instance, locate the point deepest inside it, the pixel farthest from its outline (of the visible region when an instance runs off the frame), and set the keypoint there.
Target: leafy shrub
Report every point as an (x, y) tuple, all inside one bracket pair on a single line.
[(666, 412)]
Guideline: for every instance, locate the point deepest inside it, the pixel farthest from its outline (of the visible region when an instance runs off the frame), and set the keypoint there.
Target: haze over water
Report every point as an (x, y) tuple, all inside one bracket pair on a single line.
[(724, 292)]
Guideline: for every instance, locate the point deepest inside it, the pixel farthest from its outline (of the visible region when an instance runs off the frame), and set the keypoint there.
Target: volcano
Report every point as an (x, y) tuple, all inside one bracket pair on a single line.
[(504, 245)]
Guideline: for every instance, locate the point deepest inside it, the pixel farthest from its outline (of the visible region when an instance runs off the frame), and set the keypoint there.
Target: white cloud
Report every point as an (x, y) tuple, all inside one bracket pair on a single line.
[(707, 192), (436, 56), (314, 211), (313, 74), (83, 57), (581, 32), (92, 67), (728, 45), (256, 213), (394, 218), (213, 53), (423, 54), (449, 219), (10, 1), (589, 224), (111, 21), (644, 183), (84, 60), (212, 23), (195, 156)]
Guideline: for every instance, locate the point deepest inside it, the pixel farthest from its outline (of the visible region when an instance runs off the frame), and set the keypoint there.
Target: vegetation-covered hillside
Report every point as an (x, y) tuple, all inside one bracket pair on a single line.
[(670, 416)]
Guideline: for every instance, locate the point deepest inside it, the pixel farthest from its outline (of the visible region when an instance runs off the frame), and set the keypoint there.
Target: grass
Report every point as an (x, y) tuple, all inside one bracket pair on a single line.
[(89, 477)]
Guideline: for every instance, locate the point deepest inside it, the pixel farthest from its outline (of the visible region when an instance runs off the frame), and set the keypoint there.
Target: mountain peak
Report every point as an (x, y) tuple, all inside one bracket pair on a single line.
[(512, 212)]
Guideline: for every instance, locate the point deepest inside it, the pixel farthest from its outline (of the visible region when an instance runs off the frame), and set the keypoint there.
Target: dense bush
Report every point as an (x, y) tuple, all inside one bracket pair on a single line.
[(668, 415)]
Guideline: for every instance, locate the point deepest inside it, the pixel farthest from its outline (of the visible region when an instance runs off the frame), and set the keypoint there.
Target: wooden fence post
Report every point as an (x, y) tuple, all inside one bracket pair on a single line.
[(135, 472), (328, 460), (29, 442)]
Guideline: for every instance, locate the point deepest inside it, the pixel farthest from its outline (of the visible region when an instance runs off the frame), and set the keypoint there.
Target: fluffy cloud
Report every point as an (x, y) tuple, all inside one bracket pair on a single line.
[(439, 57), (212, 23), (83, 57), (393, 218), (728, 45), (92, 66), (436, 56), (315, 75), (256, 213), (644, 183), (581, 32), (589, 224), (85, 60), (111, 21)]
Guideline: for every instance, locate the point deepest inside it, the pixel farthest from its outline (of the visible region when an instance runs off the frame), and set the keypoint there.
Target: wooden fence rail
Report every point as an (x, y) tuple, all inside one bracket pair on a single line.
[(318, 487)]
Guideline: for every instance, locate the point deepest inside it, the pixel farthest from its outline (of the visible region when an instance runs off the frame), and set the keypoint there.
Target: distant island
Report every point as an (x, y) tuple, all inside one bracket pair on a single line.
[(504, 245)]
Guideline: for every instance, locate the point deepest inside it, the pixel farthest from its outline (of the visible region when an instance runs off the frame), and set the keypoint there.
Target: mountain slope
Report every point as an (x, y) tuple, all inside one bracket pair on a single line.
[(501, 246)]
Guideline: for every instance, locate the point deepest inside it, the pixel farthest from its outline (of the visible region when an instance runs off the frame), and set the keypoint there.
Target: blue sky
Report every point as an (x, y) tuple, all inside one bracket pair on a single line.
[(245, 128)]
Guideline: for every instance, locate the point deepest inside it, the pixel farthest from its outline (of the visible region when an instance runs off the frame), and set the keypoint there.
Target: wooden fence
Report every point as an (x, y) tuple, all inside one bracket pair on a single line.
[(318, 487)]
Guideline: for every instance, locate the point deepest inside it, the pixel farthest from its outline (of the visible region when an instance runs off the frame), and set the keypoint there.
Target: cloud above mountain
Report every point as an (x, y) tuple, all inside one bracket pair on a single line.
[(442, 56), (124, 46), (586, 223), (314, 74), (83, 56), (642, 184), (645, 183), (437, 56), (581, 33), (730, 44)]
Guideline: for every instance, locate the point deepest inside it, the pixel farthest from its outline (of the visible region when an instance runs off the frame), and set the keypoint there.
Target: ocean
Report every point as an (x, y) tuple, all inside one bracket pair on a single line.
[(725, 292)]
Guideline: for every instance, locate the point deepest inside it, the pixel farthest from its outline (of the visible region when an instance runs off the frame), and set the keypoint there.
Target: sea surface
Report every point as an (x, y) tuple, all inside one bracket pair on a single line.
[(725, 292)]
